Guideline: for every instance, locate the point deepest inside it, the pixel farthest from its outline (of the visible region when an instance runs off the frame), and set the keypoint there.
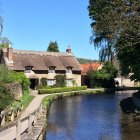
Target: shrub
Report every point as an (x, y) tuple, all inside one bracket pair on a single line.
[(21, 78), (6, 98), (60, 80), (59, 90), (43, 82)]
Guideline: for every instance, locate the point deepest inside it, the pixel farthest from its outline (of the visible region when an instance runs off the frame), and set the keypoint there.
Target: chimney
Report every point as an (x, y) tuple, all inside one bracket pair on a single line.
[(68, 50), (9, 53)]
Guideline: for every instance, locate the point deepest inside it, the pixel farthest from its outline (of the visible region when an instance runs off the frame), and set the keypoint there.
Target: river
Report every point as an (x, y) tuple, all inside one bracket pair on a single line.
[(91, 117)]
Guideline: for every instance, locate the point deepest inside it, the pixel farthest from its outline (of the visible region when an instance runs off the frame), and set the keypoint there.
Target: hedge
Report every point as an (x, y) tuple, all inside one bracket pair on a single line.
[(59, 90)]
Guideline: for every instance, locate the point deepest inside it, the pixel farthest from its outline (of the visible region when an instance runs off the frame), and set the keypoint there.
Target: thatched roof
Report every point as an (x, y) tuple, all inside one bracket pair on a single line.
[(40, 60)]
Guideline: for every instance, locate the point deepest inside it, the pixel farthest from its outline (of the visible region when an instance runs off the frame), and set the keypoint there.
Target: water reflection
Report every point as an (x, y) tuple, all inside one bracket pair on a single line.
[(96, 117)]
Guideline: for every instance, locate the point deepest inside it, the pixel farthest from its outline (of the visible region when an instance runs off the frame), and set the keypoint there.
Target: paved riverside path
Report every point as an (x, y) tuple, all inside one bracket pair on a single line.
[(10, 133)]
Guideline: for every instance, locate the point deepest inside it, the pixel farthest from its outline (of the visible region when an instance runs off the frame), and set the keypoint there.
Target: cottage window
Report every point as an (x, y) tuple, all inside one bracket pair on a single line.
[(51, 82), (28, 69), (51, 70), (69, 70)]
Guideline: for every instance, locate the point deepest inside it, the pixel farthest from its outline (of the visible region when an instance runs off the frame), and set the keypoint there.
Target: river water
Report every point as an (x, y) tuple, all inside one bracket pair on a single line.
[(91, 117)]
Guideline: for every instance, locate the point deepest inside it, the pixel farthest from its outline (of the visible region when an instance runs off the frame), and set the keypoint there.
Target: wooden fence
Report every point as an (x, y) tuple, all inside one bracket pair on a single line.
[(31, 121), (9, 116)]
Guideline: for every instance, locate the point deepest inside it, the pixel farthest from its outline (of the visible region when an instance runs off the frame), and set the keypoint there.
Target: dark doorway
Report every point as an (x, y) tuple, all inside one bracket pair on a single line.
[(34, 83)]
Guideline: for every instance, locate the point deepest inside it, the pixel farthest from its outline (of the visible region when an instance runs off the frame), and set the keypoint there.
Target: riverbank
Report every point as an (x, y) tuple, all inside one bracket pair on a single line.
[(10, 132), (46, 100), (99, 114)]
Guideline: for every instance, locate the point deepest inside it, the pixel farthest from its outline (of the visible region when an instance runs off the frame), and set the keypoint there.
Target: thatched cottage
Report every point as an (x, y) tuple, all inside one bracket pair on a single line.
[(39, 64)]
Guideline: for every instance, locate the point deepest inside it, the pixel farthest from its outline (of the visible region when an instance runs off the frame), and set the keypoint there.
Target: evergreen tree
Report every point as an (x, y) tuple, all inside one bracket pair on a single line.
[(53, 47)]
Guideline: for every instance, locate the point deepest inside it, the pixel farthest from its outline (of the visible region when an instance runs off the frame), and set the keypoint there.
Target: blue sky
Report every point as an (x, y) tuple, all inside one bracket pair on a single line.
[(32, 24)]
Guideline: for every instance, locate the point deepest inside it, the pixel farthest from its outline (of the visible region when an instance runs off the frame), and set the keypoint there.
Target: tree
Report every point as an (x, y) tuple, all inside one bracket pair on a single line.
[(116, 24), (53, 47), (129, 62), (103, 77), (4, 42), (20, 78), (6, 97)]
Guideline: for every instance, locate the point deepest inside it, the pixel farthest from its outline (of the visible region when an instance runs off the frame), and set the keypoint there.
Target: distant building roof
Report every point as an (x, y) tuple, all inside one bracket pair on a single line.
[(93, 66)]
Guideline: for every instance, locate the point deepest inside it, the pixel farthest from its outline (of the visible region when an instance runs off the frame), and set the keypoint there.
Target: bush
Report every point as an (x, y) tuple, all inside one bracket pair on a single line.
[(43, 82), (103, 77), (21, 78), (60, 80), (6, 98), (59, 90)]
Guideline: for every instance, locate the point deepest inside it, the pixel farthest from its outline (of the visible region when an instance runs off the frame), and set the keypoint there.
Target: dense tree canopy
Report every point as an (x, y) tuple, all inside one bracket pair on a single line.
[(53, 47), (116, 31), (103, 77)]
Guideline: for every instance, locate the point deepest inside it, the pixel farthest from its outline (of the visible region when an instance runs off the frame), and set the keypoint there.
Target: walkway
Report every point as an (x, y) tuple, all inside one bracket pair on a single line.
[(10, 133)]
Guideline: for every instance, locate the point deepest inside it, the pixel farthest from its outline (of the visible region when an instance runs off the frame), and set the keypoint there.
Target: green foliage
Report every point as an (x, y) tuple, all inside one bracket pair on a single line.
[(84, 61), (47, 100), (5, 76), (6, 98), (62, 89), (43, 82), (115, 26), (21, 78), (4, 42), (103, 77), (53, 47), (27, 98), (129, 61), (60, 80)]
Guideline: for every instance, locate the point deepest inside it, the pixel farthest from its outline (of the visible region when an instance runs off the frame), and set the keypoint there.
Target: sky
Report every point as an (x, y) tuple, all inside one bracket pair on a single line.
[(32, 24)]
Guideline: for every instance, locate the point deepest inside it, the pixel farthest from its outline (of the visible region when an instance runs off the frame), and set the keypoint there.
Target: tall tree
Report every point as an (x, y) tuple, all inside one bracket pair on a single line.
[(116, 24), (4, 42), (53, 47)]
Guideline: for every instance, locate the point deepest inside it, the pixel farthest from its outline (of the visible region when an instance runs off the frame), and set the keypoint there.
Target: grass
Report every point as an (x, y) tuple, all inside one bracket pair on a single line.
[(47, 100), (27, 98), (15, 103)]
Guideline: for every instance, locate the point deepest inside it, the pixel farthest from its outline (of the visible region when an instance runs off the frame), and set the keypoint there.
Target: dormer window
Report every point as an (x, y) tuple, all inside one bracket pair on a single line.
[(28, 69), (51, 70), (69, 70)]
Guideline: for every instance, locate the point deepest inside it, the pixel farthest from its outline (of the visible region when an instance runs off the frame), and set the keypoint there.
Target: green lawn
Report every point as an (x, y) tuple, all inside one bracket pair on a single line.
[(27, 98)]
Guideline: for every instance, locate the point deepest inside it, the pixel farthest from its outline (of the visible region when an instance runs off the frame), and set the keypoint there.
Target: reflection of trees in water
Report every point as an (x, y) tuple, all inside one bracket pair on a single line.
[(68, 112)]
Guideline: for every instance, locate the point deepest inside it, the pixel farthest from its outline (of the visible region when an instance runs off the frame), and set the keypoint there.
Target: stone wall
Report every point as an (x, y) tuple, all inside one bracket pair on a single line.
[(16, 89), (124, 81)]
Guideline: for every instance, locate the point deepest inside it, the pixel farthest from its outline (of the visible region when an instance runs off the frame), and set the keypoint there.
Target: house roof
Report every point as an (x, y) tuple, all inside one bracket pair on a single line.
[(41, 60), (87, 67)]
